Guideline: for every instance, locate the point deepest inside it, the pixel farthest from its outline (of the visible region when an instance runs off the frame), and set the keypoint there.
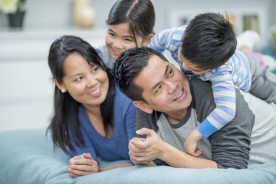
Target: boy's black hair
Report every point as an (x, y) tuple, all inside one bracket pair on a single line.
[(209, 41)]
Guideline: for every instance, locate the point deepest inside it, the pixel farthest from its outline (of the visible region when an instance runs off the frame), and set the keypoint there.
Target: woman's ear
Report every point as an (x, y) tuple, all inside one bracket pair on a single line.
[(61, 87), (147, 40), (143, 106)]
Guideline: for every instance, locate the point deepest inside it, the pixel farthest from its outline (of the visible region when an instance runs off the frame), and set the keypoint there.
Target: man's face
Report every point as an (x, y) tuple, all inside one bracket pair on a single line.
[(165, 88)]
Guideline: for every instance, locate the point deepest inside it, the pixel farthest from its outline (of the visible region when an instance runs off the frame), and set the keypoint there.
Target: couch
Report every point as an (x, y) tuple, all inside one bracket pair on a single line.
[(27, 157)]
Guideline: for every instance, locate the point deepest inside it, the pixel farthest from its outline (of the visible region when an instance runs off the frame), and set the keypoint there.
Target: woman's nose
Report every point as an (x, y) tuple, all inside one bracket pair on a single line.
[(91, 81)]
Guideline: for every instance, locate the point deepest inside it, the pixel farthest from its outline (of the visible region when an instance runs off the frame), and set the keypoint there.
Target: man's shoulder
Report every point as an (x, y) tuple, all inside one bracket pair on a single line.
[(201, 90), (203, 99)]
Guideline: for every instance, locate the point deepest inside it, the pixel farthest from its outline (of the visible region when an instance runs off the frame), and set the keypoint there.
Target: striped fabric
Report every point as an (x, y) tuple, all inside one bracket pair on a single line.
[(234, 73)]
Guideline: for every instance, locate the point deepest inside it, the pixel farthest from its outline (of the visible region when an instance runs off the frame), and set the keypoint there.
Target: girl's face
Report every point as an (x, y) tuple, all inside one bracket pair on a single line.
[(119, 39), (87, 84)]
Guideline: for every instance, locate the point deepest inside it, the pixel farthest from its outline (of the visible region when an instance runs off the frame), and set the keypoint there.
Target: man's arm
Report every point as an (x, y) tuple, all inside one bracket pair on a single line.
[(143, 151), (153, 148), (230, 144)]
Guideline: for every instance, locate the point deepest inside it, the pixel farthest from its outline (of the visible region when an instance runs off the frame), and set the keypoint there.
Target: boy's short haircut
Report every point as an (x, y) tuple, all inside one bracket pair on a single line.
[(209, 41)]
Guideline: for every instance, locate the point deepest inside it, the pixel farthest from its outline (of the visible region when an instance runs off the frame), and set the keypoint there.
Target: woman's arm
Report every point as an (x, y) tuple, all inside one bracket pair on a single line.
[(125, 164)]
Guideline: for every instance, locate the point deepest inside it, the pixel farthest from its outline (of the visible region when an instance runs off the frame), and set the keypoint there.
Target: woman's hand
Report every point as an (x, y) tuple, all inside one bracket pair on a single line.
[(82, 165)]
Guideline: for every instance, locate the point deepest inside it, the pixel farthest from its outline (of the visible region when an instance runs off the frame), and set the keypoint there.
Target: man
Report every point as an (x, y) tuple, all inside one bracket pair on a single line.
[(172, 106)]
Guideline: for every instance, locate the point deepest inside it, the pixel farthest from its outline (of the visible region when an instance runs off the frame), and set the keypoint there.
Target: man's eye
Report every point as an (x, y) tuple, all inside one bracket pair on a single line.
[(170, 74), (158, 90)]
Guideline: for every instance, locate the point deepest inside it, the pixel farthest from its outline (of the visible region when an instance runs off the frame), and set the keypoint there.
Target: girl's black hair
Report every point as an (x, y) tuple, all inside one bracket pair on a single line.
[(139, 14)]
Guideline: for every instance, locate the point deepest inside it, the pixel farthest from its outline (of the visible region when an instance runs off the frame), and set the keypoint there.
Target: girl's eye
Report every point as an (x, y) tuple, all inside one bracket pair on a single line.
[(111, 34), (129, 39)]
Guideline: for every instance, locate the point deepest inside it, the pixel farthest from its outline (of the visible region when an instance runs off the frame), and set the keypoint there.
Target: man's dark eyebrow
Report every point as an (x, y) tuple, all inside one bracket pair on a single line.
[(166, 70)]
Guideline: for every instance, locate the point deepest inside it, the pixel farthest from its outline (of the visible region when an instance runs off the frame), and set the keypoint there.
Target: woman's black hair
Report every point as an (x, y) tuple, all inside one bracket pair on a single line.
[(65, 122)]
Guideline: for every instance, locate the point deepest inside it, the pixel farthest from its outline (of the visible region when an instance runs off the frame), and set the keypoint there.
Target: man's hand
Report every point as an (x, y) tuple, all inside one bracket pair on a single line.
[(144, 150)]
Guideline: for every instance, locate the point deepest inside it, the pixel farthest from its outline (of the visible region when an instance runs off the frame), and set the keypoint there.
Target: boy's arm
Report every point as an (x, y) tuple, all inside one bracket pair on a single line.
[(225, 99), (230, 144), (168, 39)]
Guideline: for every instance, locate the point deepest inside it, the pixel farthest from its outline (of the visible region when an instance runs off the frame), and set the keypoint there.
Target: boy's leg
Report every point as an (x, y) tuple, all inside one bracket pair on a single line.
[(263, 81)]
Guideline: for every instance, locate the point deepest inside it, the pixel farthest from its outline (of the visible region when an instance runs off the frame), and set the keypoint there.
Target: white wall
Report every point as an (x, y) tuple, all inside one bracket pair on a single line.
[(52, 14), (25, 84), (26, 94)]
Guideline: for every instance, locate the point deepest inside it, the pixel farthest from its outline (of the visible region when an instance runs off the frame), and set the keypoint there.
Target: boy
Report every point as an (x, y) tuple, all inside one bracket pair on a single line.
[(206, 48)]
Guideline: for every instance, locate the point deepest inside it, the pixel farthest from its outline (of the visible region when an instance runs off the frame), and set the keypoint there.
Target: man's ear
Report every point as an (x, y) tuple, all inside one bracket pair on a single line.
[(147, 40), (143, 106)]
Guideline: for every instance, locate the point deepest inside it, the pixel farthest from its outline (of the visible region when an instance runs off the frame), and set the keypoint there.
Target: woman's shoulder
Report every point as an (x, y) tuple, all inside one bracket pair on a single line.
[(121, 96), (122, 103)]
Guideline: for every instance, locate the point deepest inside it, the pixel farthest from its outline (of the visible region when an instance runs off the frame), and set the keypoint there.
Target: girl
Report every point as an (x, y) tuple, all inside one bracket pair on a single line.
[(130, 24)]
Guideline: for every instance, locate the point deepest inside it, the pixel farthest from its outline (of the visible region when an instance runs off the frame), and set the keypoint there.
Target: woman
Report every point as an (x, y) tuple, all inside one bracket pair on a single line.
[(92, 118), (129, 24)]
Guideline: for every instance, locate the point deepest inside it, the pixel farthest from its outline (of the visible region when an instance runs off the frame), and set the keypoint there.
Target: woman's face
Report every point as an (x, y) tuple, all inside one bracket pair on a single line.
[(119, 39), (87, 84)]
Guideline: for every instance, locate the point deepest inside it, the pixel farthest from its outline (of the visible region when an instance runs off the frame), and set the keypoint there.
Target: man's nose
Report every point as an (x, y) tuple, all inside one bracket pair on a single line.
[(171, 86)]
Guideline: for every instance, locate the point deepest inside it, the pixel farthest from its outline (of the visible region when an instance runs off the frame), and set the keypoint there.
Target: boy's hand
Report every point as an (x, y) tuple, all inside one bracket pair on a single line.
[(190, 145)]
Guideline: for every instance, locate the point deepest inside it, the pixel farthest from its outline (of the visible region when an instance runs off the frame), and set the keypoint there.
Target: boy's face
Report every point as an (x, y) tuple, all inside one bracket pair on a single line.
[(188, 65), (165, 88)]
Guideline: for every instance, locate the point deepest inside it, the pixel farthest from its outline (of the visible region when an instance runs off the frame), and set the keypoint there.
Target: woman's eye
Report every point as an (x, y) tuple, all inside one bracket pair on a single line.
[(78, 79), (94, 69)]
